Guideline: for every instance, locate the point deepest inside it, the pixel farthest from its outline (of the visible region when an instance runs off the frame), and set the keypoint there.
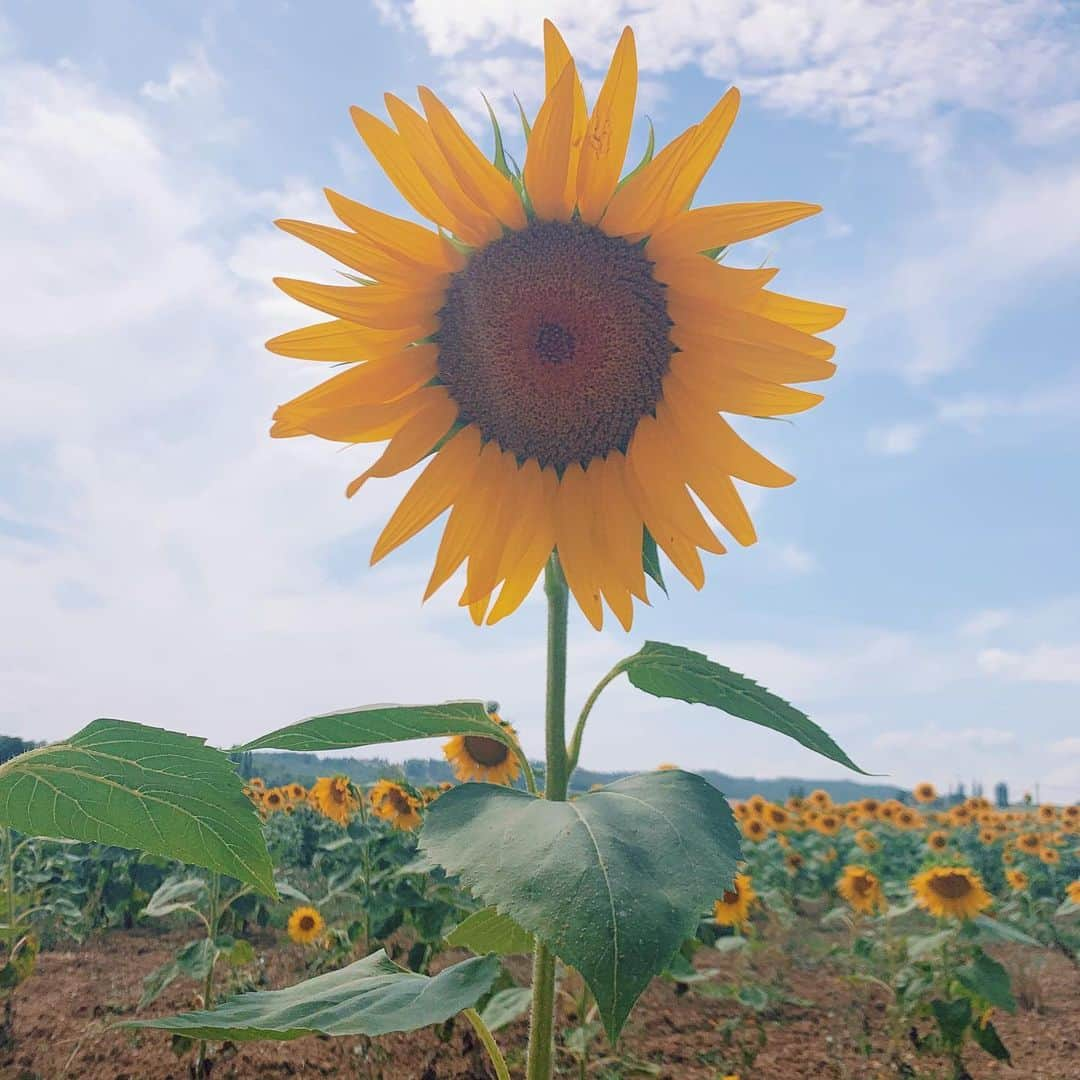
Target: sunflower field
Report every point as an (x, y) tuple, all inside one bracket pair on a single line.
[(556, 351)]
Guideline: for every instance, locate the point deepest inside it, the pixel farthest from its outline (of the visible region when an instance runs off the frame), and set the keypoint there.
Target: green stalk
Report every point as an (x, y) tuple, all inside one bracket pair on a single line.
[(208, 987), (9, 870), (541, 1018), (490, 1045), (579, 729)]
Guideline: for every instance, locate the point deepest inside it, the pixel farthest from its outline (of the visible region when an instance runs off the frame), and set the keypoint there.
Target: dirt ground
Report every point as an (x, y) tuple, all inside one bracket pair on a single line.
[(821, 1026)]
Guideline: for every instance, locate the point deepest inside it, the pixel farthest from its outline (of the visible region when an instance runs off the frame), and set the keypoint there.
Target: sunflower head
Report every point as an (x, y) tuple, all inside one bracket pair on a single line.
[(393, 802), (733, 908), (335, 798), (820, 799), (867, 841), (829, 824), (1072, 891), (257, 783), (1050, 856), (478, 757), (793, 861), (1047, 813), (755, 829), (305, 925), (861, 888), (757, 804), (870, 807), (937, 840), (559, 347), (274, 800), (954, 891), (1029, 842), (1017, 880), (924, 792), (297, 792), (776, 817)]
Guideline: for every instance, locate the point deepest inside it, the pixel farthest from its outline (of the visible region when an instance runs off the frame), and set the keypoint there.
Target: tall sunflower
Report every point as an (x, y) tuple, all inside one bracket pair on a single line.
[(861, 888), (561, 348), (394, 803), (950, 890), (477, 757), (335, 798)]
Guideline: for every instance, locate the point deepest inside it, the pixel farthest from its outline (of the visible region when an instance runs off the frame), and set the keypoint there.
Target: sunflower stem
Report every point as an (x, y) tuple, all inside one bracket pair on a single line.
[(490, 1045), (579, 730), (557, 775)]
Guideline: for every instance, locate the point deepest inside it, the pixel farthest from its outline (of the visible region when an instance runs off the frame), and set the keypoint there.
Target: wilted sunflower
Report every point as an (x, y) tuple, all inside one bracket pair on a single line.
[(866, 840), (334, 798), (476, 757), (305, 925), (1017, 879), (393, 803), (950, 890), (561, 348), (924, 792), (733, 908), (862, 890)]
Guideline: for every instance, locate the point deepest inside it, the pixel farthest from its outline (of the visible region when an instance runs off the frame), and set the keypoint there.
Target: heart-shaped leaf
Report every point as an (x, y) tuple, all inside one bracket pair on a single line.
[(382, 724), (670, 671), (612, 881), (370, 997), (139, 787), (487, 931)]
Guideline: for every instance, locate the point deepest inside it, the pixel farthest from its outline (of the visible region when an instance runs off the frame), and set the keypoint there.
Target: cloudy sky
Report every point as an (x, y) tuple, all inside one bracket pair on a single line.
[(162, 560)]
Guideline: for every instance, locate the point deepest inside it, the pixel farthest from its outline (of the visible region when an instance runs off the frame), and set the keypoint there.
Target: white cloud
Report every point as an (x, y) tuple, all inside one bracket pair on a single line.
[(796, 559), (895, 439), (1071, 745), (968, 739), (985, 622), (891, 71), (192, 77), (1042, 664)]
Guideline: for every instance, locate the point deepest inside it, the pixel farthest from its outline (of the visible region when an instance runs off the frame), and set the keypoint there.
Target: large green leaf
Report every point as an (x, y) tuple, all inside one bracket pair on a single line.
[(371, 997), (139, 787), (382, 724), (612, 881), (670, 671), (988, 980), (487, 931)]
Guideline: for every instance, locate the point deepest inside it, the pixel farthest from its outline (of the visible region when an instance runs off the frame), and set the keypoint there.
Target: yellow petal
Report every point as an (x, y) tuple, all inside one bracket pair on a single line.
[(602, 562), (547, 157), (731, 324), (478, 177), (716, 226), (621, 525), (603, 150), (705, 279), (377, 306), (712, 486), (403, 238), (765, 361), (714, 439), (356, 423), (414, 441), (486, 554), (556, 58), (433, 491), (481, 227), (389, 150), (708, 139), (530, 504), (726, 389), (521, 579), (369, 384), (369, 259), (574, 514), (657, 470), (640, 202), (470, 515), (340, 340), (804, 315)]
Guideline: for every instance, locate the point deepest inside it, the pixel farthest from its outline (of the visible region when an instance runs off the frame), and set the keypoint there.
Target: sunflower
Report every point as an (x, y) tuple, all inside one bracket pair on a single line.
[(819, 798), (869, 807), (925, 792), (1072, 891), (829, 824), (755, 829), (937, 840), (273, 800), (1029, 842), (257, 783), (757, 804), (305, 925), (950, 890), (1050, 856), (561, 348), (776, 817), (1046, 813), (960, 815), (741, 811), (1071, 813), (391, 802), (334, 798), (733, 908), (476, 757), (866, 840), (862, 890), (907, 819), (297, 792), (1017, 879), (793, 861)]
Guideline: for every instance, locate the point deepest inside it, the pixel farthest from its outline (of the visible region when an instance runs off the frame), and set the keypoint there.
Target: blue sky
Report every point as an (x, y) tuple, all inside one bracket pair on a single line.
[(917, 591)]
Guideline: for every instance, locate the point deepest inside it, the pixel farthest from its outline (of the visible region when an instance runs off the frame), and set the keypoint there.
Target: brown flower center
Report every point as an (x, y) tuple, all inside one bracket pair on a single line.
[(951, 886), (400, 801), (554, 341), (731, 897), (485, 751), (862, 884), (307, 923)]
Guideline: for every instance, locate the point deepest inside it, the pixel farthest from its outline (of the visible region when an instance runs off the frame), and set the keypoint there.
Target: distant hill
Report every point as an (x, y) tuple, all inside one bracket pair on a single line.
[(276, 767)]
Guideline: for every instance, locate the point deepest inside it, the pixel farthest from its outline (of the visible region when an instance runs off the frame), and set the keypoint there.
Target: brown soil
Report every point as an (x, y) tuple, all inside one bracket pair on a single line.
[(823, 1026)]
